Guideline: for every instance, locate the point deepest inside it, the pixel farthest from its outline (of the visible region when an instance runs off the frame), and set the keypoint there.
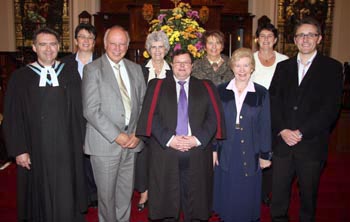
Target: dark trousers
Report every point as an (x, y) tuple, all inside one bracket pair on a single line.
[(266, 187), (308, 174), (184, 164), (91, 186)]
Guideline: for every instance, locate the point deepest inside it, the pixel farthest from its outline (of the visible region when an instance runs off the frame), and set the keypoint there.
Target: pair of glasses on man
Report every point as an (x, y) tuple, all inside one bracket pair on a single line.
[(308, 35)]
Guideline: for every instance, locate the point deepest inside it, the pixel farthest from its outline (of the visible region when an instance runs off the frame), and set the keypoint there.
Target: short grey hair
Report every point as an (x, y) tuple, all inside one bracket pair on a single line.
[(156, 36), (116, 27)]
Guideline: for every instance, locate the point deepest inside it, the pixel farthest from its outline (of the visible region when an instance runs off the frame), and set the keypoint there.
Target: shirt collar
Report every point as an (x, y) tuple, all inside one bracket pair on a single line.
[(78, 60), (121, 62), (232, 86), (165, 66), (309, 60), (186, 80)]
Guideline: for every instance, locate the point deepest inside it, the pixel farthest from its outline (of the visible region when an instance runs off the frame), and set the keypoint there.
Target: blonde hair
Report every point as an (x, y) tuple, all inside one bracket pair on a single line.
[(242, 53)]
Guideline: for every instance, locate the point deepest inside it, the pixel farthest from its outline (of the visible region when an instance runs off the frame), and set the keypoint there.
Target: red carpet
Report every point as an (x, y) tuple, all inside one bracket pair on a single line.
[(333, 201)]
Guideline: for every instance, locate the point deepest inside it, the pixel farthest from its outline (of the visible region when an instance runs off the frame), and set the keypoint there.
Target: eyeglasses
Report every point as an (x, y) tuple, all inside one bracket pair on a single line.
[(309, 35), (182, 63), (86, 37)]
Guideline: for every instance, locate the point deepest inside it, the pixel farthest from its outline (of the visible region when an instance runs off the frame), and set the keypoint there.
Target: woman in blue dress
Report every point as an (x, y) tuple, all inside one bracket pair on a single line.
[(247, 149)]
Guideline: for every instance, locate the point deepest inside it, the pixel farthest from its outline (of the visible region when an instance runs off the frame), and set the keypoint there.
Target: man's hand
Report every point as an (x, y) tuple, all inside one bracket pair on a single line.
[(133, 141), (291, 137), (23, 160), (190, 142), (178, 143), (122, 139)]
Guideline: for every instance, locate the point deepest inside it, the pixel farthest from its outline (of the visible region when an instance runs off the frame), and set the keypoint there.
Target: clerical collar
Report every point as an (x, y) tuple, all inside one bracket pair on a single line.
[(45, 71)]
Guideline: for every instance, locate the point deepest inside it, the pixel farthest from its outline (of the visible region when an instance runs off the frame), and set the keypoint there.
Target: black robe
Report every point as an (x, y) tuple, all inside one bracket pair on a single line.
[(47, 122), (157, 127)]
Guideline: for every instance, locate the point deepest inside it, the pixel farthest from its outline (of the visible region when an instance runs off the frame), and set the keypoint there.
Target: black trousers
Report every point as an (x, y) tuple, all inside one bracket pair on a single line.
[(266, 185), (308, 175)]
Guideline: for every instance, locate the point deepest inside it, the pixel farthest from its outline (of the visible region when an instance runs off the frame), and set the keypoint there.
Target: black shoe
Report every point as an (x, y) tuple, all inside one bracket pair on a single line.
[(266, 201), (141, 206)]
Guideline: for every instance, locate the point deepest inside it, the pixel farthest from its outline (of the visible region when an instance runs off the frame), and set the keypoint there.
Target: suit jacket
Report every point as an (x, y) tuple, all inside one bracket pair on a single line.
[(71, 59), (255, 126), (103, 106), (312, 107), (164, 190)]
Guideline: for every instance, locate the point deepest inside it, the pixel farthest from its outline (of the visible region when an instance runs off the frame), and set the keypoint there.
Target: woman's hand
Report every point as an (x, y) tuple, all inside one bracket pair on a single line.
[(264, 163)]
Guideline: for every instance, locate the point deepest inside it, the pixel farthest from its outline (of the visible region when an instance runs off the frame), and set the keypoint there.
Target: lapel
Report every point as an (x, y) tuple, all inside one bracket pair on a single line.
[(170, 96), (312, 71), (229, 105), (308, 78), (192, 97), (293, 69), (108, 75)]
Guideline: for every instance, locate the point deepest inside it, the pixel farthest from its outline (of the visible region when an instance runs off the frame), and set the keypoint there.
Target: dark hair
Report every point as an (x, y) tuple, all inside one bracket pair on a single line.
[(267, 26), (45, 30), (215, 33), (85, 26), (309, 21), (181, 52)]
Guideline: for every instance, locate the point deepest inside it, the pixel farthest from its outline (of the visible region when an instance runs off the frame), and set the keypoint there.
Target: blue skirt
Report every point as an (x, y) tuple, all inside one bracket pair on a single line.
[(237, 197)]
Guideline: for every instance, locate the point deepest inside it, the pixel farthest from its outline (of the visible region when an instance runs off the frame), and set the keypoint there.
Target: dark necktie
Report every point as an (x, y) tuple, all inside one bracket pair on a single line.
[(182, 111)]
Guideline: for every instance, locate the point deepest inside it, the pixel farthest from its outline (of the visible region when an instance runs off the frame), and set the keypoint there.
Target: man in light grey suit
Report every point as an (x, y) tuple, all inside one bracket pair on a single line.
[(113, 89)]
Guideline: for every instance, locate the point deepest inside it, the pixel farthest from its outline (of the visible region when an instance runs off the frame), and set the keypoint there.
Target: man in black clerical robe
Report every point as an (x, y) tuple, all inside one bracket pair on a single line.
[(170, 192), (43, 126)]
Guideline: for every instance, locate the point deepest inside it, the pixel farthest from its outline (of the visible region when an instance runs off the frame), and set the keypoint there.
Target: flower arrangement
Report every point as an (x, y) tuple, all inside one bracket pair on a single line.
[(181, 26)]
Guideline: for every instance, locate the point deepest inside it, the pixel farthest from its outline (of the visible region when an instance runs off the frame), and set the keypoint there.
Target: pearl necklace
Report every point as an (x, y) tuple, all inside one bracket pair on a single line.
[(217, 61)]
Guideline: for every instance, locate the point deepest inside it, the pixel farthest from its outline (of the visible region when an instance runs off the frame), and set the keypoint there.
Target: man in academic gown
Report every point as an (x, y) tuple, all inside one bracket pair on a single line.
[(42, 125), (180, 163)]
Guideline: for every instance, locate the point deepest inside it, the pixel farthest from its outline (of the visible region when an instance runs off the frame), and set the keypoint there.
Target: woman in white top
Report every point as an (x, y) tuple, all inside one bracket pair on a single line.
[(266, 59)]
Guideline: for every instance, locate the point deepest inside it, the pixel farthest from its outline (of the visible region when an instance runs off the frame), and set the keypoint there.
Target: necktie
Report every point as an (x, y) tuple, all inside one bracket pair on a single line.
[(182, 111), (124, 93)]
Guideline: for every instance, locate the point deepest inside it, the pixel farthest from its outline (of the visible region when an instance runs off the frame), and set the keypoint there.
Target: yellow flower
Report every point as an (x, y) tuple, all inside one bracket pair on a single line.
[(145, 54), (182, 29)]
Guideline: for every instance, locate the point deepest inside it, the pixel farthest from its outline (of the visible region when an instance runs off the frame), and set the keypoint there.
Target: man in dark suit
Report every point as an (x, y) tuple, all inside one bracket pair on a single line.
[(84, 39), (181, 115), (113, 89), (305, 100)]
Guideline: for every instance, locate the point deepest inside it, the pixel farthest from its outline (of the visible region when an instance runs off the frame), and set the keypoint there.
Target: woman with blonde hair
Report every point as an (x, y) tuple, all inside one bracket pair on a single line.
[(246, 150)]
